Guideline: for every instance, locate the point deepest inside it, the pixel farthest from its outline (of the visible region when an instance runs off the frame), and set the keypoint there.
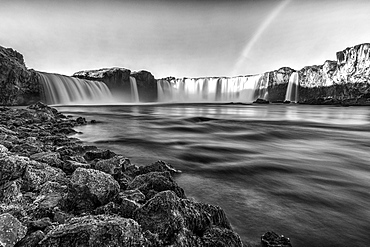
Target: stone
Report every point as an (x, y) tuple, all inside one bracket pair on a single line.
[(12, 167), (11, 230), (70, 166), (37, 174), (261, 101), (113, 166), (10, 192), (93, 187), (158, 166), (146, 86), (31, 240), (99, 154), (180, 221), (153, 182), (96, 231), (271, 239), (39, 224), (50, 158), (134, 195)]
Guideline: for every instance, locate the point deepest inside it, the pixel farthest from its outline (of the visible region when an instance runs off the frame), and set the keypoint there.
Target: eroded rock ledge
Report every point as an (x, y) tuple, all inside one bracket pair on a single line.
[(55, 191)]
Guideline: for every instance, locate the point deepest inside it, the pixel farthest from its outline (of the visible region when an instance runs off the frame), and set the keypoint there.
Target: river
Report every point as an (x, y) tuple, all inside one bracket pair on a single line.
[(302, 171)]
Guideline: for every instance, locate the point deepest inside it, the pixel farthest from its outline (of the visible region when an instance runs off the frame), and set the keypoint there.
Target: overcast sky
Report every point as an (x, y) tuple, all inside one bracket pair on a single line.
[(186, 38)]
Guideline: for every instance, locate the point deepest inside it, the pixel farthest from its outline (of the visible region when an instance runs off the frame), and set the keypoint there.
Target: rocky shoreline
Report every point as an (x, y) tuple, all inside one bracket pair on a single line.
[(55, 191)]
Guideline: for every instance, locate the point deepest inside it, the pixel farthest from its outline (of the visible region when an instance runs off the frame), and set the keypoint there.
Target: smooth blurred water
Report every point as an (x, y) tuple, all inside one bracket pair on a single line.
[(302, 171)]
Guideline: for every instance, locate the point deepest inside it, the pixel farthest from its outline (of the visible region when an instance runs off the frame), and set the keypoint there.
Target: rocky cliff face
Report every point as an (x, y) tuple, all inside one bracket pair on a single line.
[(18, 85), (146, 85), (346, 80), (278, 84)]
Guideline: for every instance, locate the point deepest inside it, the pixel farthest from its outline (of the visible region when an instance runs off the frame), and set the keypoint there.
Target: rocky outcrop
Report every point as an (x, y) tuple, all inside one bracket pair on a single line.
[(345, 81), (18, 85), (278, 84), (63, 193), (117, 79), (146, 85)]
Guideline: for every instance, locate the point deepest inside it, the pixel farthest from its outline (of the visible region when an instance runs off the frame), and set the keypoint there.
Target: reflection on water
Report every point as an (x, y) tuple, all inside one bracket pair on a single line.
[(302, 171)]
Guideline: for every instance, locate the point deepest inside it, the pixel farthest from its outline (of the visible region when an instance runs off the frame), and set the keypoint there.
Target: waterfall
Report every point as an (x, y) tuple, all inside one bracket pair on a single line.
[(134, 91), (211, 89), (60, 89), (292, 89)]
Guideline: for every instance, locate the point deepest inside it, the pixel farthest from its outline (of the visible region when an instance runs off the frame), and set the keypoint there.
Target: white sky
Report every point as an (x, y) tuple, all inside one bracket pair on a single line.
[(181, 38)]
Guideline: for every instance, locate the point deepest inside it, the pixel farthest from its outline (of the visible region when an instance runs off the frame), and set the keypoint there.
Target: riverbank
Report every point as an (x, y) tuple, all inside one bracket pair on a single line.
[(56, 191)]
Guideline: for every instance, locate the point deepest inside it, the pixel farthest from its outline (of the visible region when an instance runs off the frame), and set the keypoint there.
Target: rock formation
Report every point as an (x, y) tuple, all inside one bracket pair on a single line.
[(18, 85)]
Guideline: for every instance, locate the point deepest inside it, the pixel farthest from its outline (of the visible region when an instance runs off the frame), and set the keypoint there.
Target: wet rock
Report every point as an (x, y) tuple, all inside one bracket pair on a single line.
[(182, 221), (271, 239), (153, 182), (113, 166), (125, 208), (158, 166), (7, 131), (216, 236), (31, 240), (11, 230), (81, 121), (12, 167), (261, 101), (96, 231), (92, 188), (99, 154)]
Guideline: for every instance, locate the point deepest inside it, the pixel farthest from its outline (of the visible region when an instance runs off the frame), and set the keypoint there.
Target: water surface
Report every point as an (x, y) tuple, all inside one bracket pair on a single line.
[(301, 171)]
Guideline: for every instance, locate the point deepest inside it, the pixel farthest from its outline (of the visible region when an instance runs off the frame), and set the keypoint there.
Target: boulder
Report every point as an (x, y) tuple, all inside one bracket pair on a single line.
[(37, 174), (113, 166), (92, 188), (31, 240), (96, 231), (153, 182), (12, 167), (99, 154), (271, 239), (70, 166), (10, 192), (50, 158), (11, 230), (181, 222)]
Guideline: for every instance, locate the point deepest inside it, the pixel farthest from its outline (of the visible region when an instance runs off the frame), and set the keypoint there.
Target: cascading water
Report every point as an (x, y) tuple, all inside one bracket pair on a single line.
[(134, 91), (241, 89), (292, 89), (60, 89)]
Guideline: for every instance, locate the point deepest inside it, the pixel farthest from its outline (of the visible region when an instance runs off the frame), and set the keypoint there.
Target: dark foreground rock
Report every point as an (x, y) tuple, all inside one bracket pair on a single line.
[(55, 191)]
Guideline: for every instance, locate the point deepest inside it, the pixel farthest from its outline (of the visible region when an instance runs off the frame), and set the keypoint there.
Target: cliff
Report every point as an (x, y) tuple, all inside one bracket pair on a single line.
[(18, 85)]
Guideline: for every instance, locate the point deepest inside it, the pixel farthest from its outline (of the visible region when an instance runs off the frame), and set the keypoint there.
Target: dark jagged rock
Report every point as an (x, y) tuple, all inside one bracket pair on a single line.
[(153, 182), (271, 239), (18, 85), (99, 154), (261, 101), (278, 84), (96, 231), (114, 166), (91, 188), (158, 166), (146, 86), (182, 222)]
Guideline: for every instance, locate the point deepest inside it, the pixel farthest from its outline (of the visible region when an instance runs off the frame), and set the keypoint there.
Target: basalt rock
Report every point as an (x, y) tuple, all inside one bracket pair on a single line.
[(271, 239), (18, 85)]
